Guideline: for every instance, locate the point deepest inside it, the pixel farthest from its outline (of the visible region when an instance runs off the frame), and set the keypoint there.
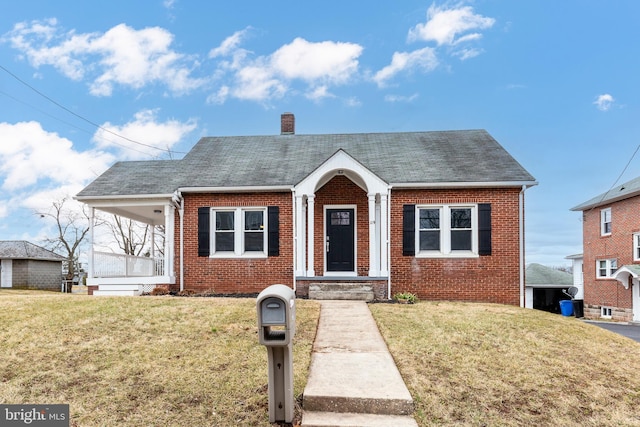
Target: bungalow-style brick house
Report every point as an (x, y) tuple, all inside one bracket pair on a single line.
[(611, 253), (24, 265), (439, 214)]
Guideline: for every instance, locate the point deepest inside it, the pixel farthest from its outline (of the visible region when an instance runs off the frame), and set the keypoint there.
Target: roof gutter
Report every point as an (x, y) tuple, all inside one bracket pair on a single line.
[(239, 189), (126, 197), (523, 184)]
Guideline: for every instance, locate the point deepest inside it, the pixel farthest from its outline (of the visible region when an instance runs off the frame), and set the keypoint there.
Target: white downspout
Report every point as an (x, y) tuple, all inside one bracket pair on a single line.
[(92, 219), (521, 243), (388, 237), (177, 196), (295, 237)]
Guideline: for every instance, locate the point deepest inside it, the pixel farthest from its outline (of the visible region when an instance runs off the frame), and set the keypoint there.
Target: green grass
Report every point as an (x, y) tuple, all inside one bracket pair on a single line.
[(167, 361), (494, 365), (148, 361)]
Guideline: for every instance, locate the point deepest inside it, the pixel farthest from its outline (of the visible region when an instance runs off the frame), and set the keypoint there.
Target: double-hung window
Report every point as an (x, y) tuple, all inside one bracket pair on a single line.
[(605, 222), (239, 232), (447, 230), (636, 246), (606, 267)]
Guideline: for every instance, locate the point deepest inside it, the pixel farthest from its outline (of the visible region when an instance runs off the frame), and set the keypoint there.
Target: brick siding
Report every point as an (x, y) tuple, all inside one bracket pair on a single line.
[(233, 275), (493, 278), (608, 292)]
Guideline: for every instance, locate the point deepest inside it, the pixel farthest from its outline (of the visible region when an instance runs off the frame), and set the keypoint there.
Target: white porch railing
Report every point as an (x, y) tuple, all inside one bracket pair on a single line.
[(120, 265)]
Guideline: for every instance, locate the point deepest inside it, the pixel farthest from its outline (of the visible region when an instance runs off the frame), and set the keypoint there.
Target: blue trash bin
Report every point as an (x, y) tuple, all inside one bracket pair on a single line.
[(566, 307)]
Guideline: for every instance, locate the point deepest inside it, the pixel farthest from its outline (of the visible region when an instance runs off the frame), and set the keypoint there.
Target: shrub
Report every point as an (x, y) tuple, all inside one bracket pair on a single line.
[(405, 297), (159, 291)]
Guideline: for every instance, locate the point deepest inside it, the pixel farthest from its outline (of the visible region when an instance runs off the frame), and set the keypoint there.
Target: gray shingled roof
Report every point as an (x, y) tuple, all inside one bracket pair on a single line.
[(537, 274), (623, 191), (471, 156), (20, 249)]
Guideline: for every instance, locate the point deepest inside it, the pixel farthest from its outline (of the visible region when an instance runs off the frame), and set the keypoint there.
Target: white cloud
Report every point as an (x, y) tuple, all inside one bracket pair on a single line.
[(422, 59), (38, 167), (318, 65), (324, 61), (29, 155), (121, 56), (400, 98), (230, 44), (604, 102), (145, 129), (318, 93), (464, 54), (444, 24)]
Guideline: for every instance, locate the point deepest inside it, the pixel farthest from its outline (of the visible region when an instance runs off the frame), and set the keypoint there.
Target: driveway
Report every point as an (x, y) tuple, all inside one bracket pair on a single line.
[(629, 331)]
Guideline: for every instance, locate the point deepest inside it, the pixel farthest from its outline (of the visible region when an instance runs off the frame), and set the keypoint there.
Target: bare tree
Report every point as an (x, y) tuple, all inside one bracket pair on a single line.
[(72, 226), (130, 235)]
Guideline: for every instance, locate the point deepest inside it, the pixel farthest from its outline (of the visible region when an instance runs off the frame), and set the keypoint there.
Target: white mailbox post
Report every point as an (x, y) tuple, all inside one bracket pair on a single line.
[(276, 328)]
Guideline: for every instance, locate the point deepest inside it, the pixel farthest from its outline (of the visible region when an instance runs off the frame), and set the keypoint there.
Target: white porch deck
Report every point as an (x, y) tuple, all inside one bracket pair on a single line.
[(119, 274)]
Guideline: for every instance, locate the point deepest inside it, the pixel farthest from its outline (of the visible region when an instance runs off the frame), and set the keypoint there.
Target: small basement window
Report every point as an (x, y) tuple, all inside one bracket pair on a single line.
[(605, 312)]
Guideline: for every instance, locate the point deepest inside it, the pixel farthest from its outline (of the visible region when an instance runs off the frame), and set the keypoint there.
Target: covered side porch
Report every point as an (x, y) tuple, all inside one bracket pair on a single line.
[(112, 272)]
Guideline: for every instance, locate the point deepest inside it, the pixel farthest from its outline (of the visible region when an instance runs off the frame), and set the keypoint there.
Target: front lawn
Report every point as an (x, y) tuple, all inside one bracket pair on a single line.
[(494, 365), (142, 361)]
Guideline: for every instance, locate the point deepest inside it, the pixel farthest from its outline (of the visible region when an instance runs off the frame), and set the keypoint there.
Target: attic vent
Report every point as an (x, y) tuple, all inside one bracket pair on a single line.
[(287, 124)]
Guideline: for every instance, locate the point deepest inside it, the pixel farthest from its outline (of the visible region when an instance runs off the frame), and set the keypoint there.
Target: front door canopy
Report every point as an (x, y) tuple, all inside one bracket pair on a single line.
[(623, 273), (341, 163)]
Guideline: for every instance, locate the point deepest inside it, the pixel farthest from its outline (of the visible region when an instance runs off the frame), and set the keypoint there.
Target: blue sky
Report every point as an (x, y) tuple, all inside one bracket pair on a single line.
[(556, 83)]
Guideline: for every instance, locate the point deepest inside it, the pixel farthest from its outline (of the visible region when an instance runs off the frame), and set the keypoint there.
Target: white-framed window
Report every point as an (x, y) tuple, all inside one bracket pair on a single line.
[(605, 312), (605, 222), (447, 230), (606, 267), (636, 246), (239, 232)]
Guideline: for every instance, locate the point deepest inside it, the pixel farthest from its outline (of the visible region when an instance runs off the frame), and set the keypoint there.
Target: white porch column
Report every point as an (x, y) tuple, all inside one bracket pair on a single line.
[(92, 219), (300, 246), (384, 233), (153, 242), (310, 235), (169, 239), (373, 244)]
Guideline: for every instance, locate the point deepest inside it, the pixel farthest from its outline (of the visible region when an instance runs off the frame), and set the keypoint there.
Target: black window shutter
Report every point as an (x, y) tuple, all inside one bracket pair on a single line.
[(273, 239), (408, 230), (204, 225), (484, 229)]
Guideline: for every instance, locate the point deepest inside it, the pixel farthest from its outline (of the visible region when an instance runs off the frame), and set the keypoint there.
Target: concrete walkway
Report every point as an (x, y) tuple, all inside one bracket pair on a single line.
[(353, 380)]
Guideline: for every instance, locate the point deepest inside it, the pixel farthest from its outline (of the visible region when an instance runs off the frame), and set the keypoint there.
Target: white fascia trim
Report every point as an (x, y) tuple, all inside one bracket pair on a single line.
[(87, 199), (518, 184), (241, 189)]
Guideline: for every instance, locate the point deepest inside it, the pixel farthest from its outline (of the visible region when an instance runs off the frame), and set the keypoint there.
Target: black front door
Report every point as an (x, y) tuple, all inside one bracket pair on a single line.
[(340, 240)]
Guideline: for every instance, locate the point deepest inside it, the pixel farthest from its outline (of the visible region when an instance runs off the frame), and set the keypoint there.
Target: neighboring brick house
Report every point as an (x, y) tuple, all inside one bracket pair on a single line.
[(611, 253), (440, 214), (24, 265)]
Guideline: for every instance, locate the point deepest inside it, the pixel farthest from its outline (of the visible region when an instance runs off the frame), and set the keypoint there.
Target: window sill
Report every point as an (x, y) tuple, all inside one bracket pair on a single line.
[(457, 254), (232, 255)]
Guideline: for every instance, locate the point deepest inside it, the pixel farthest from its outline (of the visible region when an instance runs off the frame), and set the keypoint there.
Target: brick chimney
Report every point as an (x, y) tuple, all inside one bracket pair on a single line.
[(287, 124)]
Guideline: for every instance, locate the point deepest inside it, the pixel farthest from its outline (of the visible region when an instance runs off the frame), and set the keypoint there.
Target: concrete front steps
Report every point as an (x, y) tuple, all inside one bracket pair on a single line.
[(353, 380), (331, 419), (342, 291), (118, 290)]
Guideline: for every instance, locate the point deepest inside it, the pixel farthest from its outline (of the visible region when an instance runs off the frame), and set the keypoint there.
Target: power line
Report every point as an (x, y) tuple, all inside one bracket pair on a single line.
[(69, 124), (92, 123)]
